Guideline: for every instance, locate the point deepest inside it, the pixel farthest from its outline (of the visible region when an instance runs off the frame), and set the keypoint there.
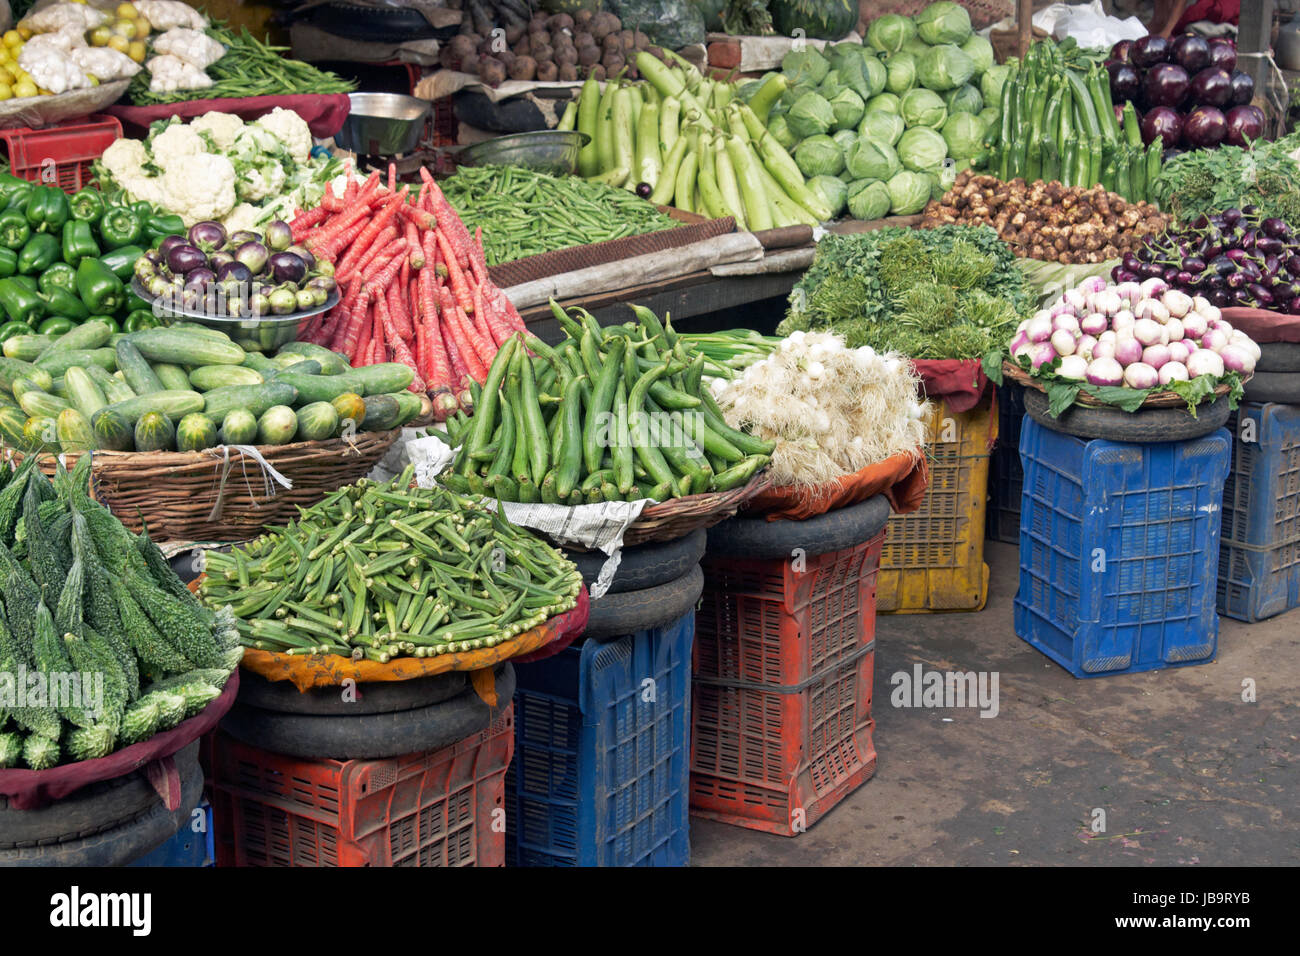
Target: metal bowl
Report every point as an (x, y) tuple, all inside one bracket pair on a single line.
[(548, 151), (383, 124), (264, 333)]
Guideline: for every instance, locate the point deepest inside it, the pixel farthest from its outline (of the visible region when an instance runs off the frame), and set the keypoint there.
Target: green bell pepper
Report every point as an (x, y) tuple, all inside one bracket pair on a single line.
[(63, 304), (55, 325), (58, 276), (159, 227), (143, 209), (8, 262), (20, 303), (13, 188), (47, 209), (10, 329), (139, 319), (120, 226), (14, 230), (99, 288), (122, 260), (108, 320), (134, 302), (38, 254), (87, 205), (78, 242)]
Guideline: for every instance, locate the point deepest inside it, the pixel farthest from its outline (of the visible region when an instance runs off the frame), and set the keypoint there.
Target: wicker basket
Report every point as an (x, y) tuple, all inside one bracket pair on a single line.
[(678, 517), (222, 493), (1155, 400)]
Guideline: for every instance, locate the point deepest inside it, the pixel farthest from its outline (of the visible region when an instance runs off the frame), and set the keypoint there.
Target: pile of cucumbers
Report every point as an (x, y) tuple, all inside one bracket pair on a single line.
[(185, 388)]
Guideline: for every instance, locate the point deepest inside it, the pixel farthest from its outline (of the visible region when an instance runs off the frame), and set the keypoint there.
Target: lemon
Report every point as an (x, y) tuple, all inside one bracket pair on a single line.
[(125, 28), (137, 51), (24, 34), (119, 43), (24, 88), (11, 38), (127, 10), (5, 92), (99, 36)]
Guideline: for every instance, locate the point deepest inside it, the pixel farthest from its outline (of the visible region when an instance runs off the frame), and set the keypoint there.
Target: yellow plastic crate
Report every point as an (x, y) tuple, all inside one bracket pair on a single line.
[(933, 559)]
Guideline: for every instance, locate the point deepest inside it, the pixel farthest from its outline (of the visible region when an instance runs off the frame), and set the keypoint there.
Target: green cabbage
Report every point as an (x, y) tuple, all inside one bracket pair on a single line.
[(830, 86), (862, 73), (868, 160), (923, 108), (964, 134), (943, 22), (991, 84), (832, 191), (887, 102), (819, 156), (805, 66), (944, 67), (992, 118), (964, 99), (980, 51), (845, 138), (888, 33), (915, 46), (780, 130), (848, 109), (881, 126), (810, 115), (900, 73), (869, 199), (908, 193), (922, 149)]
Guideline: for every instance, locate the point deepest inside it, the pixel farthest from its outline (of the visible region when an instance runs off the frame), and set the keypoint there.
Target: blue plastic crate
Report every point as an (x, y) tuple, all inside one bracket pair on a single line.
[(602, 755), (186, 848), (1006, 477), (1259, 559), (1119, 550)]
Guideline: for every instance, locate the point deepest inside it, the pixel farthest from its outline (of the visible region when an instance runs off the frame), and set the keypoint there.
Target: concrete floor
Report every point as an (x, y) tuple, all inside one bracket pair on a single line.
[(1184, 770)]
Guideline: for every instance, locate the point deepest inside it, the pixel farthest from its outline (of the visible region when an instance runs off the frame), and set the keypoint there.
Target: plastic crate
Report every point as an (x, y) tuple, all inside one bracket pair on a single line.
[(1119, 550), (60, 155), (1006, 477), (1259, 556), (189, 847), (427, 809), (781, 696), (444, 126), (933, 558), (603, 754)]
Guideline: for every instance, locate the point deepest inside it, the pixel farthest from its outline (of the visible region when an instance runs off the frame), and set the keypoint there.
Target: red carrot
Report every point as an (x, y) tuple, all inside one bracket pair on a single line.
[(457, 278), (451, 318), (377, 225), (341, 240), (401, 352), (413, 241), (384, 275), (324, 236), (359, 354), (392, 177), (302, 224), (397, 310), (459, 372), (458, 235), (380, 247)]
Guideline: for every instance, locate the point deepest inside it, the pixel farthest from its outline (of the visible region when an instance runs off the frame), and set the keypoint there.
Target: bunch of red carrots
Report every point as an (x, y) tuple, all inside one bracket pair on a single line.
[(413, 286)]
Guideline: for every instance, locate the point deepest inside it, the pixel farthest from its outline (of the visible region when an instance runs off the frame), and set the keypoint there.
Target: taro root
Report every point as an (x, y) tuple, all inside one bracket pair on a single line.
[(589, 55), (627, 38), (582, 18), (597, 72), (560, 21), (566, 56), (603, 24), (568, 73), (524, 68), (612, 43), (543, 54), (464, 48), (547, 72), (613, 63), (492, 71)]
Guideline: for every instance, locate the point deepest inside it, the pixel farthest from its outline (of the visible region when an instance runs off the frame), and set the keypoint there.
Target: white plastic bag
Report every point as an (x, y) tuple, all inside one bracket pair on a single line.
[(193, 46), (1088, 24)]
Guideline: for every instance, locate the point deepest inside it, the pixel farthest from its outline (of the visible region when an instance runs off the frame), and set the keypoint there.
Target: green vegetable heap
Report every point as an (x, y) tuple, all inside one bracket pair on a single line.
[(378, 571), (1204, 182), (951, 292), (85, 598)]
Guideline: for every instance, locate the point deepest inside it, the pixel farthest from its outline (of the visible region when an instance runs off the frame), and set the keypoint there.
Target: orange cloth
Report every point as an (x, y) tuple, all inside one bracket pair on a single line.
[(902, 479)]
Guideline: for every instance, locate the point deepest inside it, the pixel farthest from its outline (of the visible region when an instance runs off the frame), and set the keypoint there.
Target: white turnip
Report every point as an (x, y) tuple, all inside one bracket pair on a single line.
[(1104, 371), (1073, 367), (1094, 323), (1204, 362), (1140, 375), (1062, 342), (1155, 355), (1173, 372), (1237, 359)]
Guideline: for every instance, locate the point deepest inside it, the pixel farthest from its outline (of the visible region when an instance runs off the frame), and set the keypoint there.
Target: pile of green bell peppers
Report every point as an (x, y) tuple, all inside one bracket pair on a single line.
[(65, 259)]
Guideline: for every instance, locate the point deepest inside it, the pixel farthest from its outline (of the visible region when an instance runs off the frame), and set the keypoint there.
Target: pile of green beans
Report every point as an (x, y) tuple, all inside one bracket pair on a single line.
[(525, 213), (384, 570), (614, 413), (249, 68)]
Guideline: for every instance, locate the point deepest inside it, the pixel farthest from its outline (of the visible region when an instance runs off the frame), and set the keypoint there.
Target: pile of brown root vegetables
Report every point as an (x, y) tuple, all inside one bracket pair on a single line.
[(1048, 221)]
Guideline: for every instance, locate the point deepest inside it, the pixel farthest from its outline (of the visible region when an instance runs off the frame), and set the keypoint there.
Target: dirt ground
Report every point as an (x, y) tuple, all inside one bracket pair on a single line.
[(1184, 771)]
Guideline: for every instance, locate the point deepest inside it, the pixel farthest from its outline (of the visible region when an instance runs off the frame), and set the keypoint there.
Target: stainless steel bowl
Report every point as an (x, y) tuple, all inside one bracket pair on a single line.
[(383, 124), (264, 333), (548, 151)]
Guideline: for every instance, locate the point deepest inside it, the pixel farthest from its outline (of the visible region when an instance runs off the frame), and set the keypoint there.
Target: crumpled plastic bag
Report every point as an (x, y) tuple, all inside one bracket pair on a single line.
[(193, 46), (104, 63), (168, 73), (60, 15), (165, 14), (1088, 24)]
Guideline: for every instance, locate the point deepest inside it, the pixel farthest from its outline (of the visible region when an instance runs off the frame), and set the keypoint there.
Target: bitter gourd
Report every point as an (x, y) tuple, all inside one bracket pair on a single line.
[(40, 752), (11, 750), (157, 657), (140, 720), (186, 627), (68, 613), (41, 557)]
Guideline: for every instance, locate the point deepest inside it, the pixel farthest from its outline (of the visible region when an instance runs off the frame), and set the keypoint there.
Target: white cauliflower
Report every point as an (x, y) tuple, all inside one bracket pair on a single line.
[(193, 46), (222, 127), (141, 186), (104, 63), (125, 158), (176, 142), (168, 73), (260, 182), (51, 67), (59, 15), (243, 216), (203, 187), (165, 14), (290, 129)]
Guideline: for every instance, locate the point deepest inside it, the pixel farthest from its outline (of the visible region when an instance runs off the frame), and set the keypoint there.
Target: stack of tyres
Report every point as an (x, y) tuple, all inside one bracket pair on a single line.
[(109, 823), (189, 847), (1277, 375)]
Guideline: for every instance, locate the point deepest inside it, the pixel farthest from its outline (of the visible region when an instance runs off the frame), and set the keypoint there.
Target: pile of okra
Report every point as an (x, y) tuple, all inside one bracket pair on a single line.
[(613, 413), (384, 570)]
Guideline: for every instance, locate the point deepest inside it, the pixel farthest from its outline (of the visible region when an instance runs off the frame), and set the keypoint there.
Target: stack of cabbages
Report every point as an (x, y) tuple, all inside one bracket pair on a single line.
[(882, 128)]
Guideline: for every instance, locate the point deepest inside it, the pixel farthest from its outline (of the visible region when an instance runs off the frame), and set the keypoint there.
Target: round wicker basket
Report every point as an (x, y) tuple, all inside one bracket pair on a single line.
[(1155, 400), (678, 517)]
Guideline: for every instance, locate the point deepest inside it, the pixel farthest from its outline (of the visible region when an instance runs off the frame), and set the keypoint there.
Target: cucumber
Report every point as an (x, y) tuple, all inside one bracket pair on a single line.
[(27, 348), (11, 370), (195, 432), (207, 377), (220, 402), (92, 334), (40, 431), (174, 404), (195, 329), (57, 387), (7, 400), (138, 373), (285, 360), (12, 421), (34, 401), (331, 363), (186, 347), (317, 422), (85, 395), (172, 376), (154, 431), (382, 413), (239, 427), (112, 431), (277, 426), (259, 362), (384, 378), (115, 390), (350, 406), (305, 367), (410, 405), (74, 431), (321, 388), (56, 363)]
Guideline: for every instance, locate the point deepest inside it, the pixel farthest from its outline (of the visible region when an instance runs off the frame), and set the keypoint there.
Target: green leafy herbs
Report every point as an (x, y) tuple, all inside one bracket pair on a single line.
[(950, 292), (1204, 182)]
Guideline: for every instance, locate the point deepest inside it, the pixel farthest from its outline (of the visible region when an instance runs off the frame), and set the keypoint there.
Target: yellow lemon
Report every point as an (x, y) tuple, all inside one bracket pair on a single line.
[(5, 92), (127, 10), (24, 88), (99, 36), (119, 43), (11, 38), (125, 28), (137, 51)]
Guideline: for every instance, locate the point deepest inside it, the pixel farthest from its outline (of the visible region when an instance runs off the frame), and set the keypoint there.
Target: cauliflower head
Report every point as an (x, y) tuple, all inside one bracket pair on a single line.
[(203, 187), (124, 159), (290, 129), (244, 216), (222, 127), (260, 182), (175, 145)]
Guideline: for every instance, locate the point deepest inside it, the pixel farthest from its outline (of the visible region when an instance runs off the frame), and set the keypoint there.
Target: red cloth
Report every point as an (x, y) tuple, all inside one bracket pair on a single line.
[(33, 789), (902, 479), (324, 114), (959, 382), (575, 622), (1264, 327), (1216, 11)]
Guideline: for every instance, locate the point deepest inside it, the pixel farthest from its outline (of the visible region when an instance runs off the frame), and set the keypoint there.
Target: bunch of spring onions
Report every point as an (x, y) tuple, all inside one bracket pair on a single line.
[(731, 351)]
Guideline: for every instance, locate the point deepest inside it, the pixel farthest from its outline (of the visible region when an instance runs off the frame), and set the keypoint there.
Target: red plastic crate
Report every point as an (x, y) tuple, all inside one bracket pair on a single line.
[(60, 155), (444, 127), (781, 690), (445, 808)]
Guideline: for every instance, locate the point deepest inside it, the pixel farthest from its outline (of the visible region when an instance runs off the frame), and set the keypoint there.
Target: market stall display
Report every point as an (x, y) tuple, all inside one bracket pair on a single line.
[(1210, 182)]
